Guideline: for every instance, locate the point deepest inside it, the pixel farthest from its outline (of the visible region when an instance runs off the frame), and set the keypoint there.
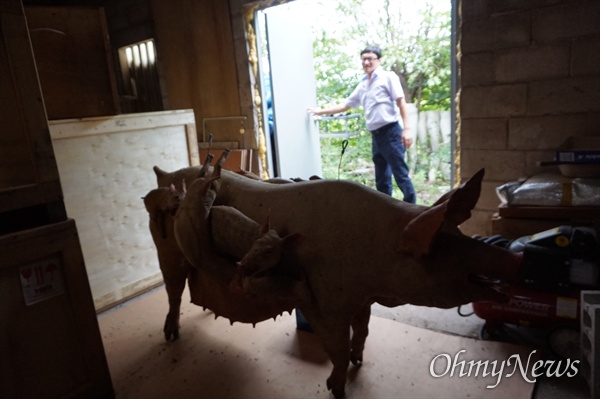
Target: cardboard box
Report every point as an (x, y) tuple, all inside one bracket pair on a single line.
[(579, 156), (584, 149)]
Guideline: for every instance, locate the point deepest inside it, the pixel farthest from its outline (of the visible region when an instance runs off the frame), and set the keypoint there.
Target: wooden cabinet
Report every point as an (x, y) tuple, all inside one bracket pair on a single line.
[(30, 192), (50, 344)]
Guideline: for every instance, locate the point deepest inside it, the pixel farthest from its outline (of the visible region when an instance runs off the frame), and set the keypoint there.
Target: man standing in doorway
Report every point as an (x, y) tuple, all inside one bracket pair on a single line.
[(381, 96)]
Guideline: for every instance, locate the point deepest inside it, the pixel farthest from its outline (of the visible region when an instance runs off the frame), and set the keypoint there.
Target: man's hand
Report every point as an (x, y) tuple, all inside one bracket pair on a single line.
[(314, 111), (407, 138)]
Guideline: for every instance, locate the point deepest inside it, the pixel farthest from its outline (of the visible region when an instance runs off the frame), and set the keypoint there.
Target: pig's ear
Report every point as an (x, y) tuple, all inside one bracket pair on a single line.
[(454, 207), (160, 175), (159, 172), (418, 235), (463, 199), (292, 241)]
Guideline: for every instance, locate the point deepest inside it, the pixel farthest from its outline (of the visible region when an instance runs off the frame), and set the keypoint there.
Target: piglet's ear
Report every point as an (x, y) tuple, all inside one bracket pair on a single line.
[(418, 235)]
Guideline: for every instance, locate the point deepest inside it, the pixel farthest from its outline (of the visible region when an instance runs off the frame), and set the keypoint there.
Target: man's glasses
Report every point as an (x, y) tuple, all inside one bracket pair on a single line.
[(368, 59)]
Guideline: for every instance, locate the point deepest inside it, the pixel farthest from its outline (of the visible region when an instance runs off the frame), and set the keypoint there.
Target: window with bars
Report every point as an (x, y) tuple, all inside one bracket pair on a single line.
[(139, 82)]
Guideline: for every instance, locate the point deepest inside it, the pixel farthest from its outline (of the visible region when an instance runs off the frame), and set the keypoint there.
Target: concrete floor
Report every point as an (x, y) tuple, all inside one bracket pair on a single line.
[(274, 359), (450, 321)]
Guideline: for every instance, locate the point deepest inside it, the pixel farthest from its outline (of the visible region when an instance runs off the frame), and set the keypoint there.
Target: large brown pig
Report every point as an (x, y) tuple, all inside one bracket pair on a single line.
[(360, 247)]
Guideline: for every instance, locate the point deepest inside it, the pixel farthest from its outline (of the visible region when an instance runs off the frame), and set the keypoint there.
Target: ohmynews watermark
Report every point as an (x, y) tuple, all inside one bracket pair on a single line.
[(445, 365)]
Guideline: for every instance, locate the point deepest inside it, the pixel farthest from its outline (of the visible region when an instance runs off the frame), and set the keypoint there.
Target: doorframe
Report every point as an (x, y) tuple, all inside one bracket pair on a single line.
[(454, 85)]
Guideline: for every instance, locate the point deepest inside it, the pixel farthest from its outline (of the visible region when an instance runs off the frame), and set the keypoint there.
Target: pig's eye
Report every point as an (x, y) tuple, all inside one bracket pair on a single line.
[(267, 253)]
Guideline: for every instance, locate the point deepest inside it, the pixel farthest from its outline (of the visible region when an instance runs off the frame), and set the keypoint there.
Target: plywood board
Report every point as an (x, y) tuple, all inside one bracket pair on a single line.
[(105, 166), (213, 359)]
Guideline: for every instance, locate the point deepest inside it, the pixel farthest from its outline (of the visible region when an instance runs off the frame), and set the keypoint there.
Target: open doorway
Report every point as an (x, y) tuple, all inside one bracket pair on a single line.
[(337, 71)]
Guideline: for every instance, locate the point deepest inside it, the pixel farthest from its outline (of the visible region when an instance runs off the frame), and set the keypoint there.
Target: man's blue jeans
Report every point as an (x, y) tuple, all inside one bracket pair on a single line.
[(388, 157)]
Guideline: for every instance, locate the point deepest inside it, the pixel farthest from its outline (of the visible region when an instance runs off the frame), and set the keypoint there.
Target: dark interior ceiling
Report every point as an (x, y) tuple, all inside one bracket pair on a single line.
[(63, 2)]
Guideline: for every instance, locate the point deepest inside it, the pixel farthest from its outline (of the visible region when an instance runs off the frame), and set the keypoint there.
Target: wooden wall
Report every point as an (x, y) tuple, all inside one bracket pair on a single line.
[(196, 51), (74, 61), (199, 56)]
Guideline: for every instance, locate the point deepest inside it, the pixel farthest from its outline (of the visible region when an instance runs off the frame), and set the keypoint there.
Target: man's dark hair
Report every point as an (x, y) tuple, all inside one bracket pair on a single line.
[(372, 49)]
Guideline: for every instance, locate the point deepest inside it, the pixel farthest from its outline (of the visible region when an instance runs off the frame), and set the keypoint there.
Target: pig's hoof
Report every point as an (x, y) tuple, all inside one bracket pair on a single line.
[(171, 329), (337, 392), (172, 335), (356, 358)]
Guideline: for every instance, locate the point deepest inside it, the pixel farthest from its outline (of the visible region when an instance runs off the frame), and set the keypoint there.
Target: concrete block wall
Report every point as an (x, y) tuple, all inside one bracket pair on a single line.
[(529, 77), (590, 340)]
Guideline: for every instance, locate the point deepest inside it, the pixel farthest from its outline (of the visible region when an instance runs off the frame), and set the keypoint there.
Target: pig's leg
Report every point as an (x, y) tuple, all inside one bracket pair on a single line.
[(174, 279), (175, 269), (206, 165), (220, 162), (337, 346), (335, 334), (360, 330)]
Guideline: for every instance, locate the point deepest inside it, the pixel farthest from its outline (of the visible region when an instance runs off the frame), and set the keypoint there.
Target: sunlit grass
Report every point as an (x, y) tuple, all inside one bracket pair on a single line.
[(356, 165)]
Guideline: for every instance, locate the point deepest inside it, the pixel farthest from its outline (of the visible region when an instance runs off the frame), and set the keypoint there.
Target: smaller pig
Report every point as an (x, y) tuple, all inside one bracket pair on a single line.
[(162, 204), (267, 250), (263, 271)]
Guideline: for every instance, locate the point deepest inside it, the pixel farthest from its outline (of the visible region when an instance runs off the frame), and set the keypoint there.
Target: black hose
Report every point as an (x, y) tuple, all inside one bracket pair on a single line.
[(344, 146), (464, 314)]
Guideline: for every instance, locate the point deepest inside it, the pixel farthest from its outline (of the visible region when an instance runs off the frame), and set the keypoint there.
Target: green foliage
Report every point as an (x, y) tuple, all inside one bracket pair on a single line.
[(356, 165), (420, 57)]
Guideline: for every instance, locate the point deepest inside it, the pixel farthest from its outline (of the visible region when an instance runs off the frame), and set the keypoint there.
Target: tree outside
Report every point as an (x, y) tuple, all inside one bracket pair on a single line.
[(416, 46)]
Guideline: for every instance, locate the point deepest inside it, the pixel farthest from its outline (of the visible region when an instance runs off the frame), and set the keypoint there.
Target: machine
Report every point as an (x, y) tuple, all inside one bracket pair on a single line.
[(557, 265)]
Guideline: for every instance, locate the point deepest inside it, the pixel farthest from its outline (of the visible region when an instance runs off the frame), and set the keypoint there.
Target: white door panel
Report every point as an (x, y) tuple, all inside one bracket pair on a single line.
[(289, 40)]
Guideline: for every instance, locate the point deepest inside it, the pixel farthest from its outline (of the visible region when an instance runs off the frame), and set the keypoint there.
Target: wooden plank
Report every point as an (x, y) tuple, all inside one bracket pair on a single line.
[(550, 212), (192, 140), (34, 205), (71, 128), (514, 228), (29, 195)]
